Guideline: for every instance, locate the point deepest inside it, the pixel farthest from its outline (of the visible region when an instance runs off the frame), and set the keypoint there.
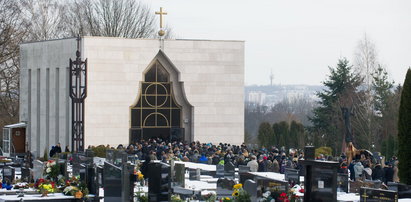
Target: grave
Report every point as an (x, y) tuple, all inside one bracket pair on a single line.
[(26, 175), (9, 173), (219, 171), (194, 174), (377, 195), (342, 182), (320, 180), (251, 188), (268, 184), (356, 185), (159, 183), (229, 170), (179, 175), (225, 187), (292, 176), (38, 169), (112, 182), (118, 182)]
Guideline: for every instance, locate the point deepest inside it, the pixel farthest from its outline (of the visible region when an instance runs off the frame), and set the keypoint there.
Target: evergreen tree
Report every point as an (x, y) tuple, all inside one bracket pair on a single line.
[(265, 134), (281, 131), (341, 91), (297, 135), (404, 131)]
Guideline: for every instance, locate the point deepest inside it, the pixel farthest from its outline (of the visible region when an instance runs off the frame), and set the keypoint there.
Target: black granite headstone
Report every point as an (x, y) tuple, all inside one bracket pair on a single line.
[(292, 176), (377, 195), (26, 175), (9, 173), (342, 182), (112, 183), (194, 174), (309, 152), (229, 170), (272, 185), (320, 180), (158, 181)]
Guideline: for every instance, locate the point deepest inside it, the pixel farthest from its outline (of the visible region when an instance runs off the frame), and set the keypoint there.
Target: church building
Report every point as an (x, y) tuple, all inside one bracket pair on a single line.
[(189, 90)]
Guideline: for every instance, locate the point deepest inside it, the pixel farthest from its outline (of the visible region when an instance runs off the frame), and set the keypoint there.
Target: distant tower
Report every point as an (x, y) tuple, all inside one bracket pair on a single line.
[(271, 78)]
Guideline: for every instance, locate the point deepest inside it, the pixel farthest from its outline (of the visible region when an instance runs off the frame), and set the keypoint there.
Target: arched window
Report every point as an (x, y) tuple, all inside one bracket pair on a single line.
[(156, 106)]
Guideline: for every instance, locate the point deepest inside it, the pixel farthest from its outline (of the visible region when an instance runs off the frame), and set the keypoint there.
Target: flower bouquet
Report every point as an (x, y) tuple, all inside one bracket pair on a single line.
[(74, 187), (240, 194), (51, 170), (45, 186)]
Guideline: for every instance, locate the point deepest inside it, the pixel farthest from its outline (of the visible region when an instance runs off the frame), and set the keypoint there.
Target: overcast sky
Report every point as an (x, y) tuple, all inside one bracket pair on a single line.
[(297, 40)]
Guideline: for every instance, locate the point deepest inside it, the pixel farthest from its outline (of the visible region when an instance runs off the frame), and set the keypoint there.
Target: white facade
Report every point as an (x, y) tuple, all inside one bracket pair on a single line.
[(211, 73)]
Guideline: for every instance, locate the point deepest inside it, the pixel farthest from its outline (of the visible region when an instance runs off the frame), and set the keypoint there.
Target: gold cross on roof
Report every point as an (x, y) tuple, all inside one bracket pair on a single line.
[(161, 13)]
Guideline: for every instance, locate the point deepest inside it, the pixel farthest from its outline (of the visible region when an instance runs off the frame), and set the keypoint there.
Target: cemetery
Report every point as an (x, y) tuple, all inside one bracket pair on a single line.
[(176, 113), (84, 176)]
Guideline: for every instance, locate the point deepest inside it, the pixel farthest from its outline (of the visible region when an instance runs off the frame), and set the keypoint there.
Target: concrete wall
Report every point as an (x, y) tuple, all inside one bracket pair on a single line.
[(212, 73), (44, 99)]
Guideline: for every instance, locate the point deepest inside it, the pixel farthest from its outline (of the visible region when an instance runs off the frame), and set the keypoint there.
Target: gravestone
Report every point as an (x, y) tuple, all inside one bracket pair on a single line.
[(128, 180), (356, 185), (100, 175), (309, 152), (377, 195), (342, 182), (110, 156), (26, 175), (9, 173), (320, 180), (229, 170), (225, 187), (112, 183), (158, 181), (243, 173), (194, 174), (120, 157), (63, 167), (251, 188), (292, 176), (219, 171), (38, 169), (272, 185), (179, 174), (392, 186)]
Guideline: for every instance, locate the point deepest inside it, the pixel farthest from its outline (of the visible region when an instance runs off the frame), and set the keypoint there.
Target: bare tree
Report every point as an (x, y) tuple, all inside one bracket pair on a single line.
[(45, 19), (120, 18), (12, 33)]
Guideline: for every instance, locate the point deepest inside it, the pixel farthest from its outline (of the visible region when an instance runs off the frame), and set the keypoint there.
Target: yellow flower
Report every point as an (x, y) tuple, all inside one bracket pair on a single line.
[(226, 198), (238, 186), (140, 176), (235, 193)]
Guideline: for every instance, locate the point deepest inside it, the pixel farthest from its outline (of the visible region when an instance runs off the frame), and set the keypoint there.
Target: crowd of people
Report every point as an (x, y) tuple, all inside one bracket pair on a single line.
[(260, 159)]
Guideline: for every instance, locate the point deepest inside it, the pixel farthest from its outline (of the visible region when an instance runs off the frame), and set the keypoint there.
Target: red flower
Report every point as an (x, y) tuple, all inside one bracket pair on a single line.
[(283, 195), (53, 184), (302, 190)]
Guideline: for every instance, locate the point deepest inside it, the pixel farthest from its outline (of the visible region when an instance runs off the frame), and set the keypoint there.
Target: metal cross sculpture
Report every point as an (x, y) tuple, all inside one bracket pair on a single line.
[(78, 93)]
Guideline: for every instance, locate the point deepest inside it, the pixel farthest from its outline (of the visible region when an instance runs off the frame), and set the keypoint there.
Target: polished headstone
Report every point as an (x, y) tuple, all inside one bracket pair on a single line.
[(377, 195), (251, 188), (229, 170), (112, 183)]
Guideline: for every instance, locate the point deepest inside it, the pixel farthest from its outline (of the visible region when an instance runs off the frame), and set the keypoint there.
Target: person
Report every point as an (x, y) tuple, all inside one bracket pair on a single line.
[(395, 172), (367, 171), (378, 173), (52, 151), (57, 148), (389, 173), (358, 169), (253, 164), (67, 149), (262, 164)]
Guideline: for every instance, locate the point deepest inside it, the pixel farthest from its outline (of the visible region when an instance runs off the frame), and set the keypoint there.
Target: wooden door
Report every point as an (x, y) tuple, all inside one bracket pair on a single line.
[(19, 140)]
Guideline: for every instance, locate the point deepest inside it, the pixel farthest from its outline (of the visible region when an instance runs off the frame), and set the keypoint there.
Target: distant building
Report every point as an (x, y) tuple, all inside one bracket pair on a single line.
[(256, 97)]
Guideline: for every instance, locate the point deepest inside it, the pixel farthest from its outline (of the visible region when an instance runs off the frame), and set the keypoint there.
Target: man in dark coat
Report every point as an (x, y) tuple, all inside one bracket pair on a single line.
[(389, 173), (378, 173)]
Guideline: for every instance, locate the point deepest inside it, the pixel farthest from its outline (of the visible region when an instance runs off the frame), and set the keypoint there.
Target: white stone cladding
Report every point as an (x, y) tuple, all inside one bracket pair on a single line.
[(212, 73)]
